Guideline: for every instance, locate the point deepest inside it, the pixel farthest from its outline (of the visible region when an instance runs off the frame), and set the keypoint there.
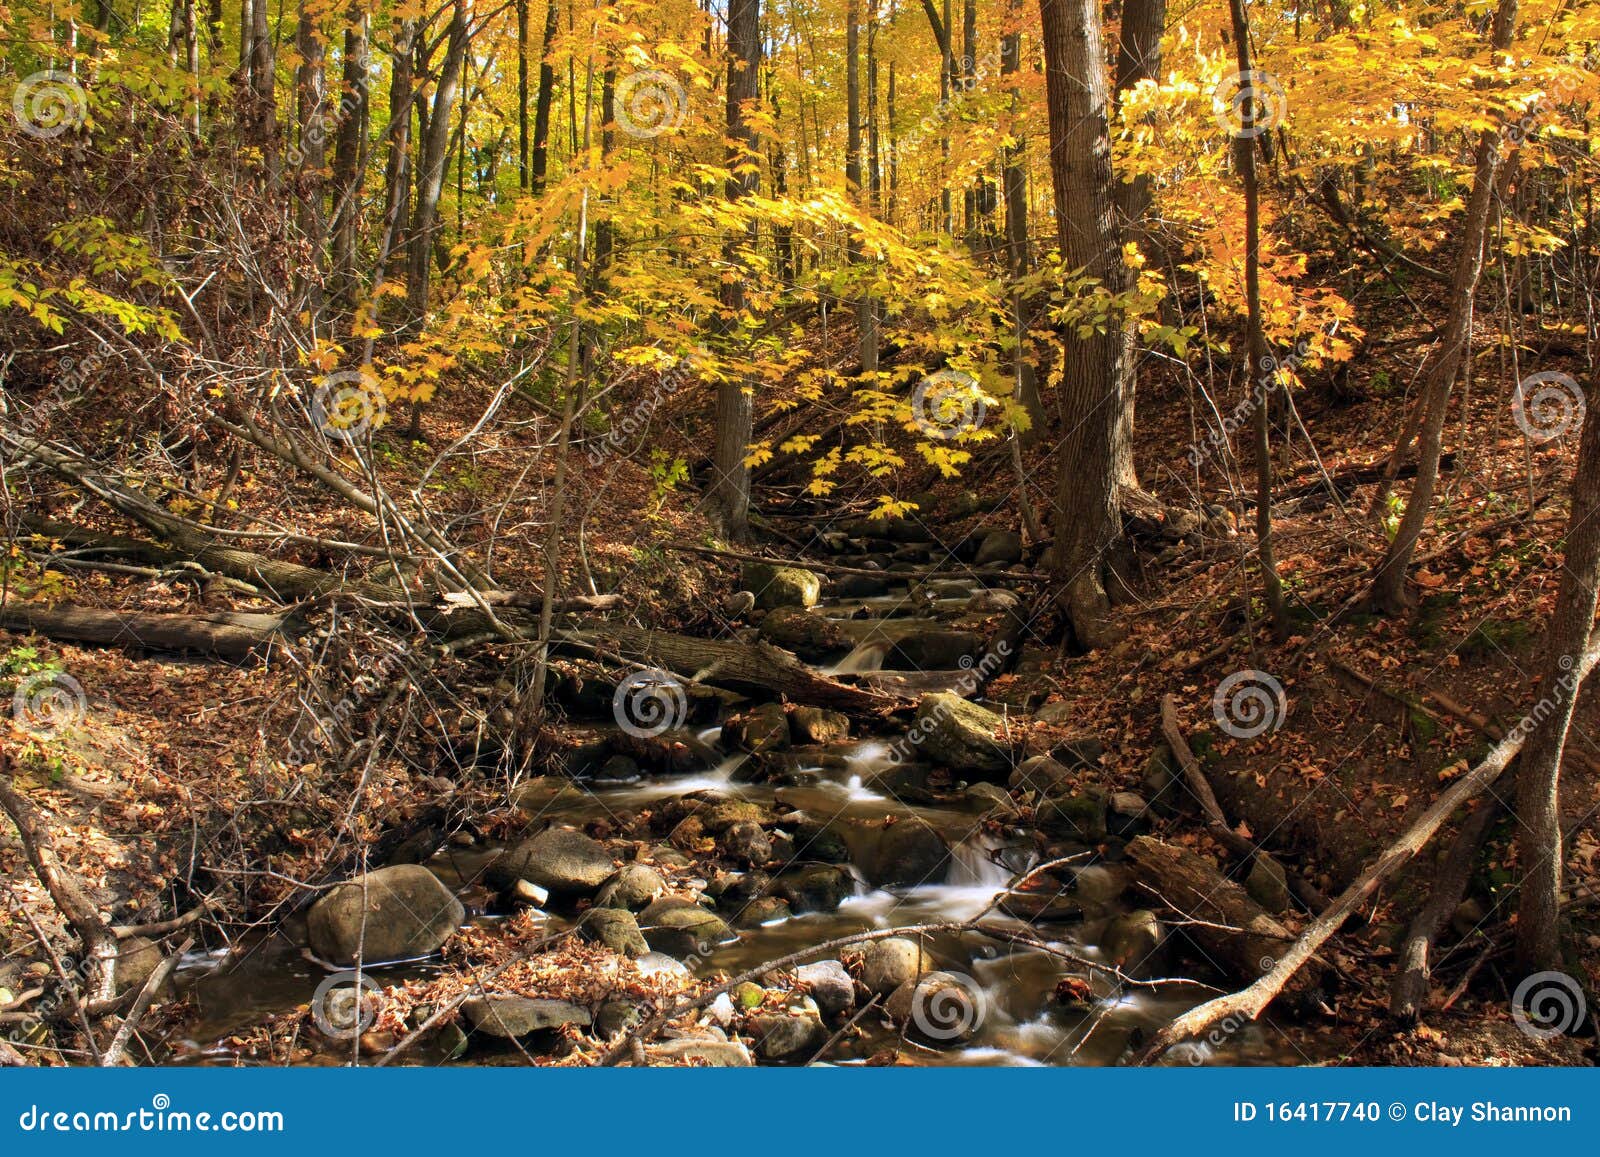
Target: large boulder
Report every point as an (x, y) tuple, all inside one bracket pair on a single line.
[(616, 928), (905, 853), (829, 985), (818, 725), (682, 928), (514, 1017), (960, 735), (941, 1008), (1070, 815), (815, 887), (762, 728), (999, 548), (392, 914), (889, 963), (1133, 940), (559, 860), (632, 887), (935, 650), (782, 586), (811, 636), (1039, 774)]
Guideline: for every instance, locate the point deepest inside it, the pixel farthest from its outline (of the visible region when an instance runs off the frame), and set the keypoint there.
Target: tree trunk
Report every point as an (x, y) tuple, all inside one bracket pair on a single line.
[(1389, 584), (1257, 377), (1539, 782), (349, 160), (730, 488), (539, 164), (236, 636), (311, 111), (1094, 410), (431, 163)]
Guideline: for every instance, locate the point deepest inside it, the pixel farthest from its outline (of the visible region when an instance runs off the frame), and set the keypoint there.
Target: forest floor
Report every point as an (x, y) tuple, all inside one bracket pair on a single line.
[(172, 784)]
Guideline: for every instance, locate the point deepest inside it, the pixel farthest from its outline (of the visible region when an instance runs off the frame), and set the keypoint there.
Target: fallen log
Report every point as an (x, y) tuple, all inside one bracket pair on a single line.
[(1226, 924), (236, 635), (1249, 1003), (738, 666)]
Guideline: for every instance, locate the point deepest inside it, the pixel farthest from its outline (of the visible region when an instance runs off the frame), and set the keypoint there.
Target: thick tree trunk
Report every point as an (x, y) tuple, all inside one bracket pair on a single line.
[(539, 164), (349, 160), (312, 113), (1389, 584), (1539, 782), (432, 160), (730, 487), (1093, 402)]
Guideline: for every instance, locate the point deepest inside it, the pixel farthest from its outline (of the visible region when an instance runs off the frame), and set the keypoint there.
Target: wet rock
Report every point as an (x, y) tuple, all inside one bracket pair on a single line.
[(633, 886), (1079, 815), (905, 853), (961, 735), (717, 1054), (682, 928), (829, 985), (999, 548), (815, 839), (811, 636), (1133, 940), (528, 894), (391, 914), (989, 602), (746, 842), (761, 910), (668, 856), (889, 963), (991, 799), (859, 586), (560, 860), (908, 782), (782, 586), (1039, 775), (1049, 907), (935, 650), (548, 794), (616, 928), (617, 1016), (739, 604), (815, 887), (818, 725), (762, 728), (723, 814), (941, 1008), (514, 1017), (139, 956), (784, 1036), (1267, 883), (617, 769)]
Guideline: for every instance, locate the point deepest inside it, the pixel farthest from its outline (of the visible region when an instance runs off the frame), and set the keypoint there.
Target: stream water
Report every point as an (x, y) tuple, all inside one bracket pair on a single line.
[(1021, 1019)]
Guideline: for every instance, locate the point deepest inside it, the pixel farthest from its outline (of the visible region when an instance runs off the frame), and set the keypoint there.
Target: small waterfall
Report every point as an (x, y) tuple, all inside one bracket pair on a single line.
[(865, 657), (973, 866)]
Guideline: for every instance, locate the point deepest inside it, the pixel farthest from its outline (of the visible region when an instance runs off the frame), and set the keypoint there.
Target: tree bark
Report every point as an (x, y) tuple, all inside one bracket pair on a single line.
[(539, 165), (235, 636), (1539, 781), (1093, 388), (432, 160), (349, 156)]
